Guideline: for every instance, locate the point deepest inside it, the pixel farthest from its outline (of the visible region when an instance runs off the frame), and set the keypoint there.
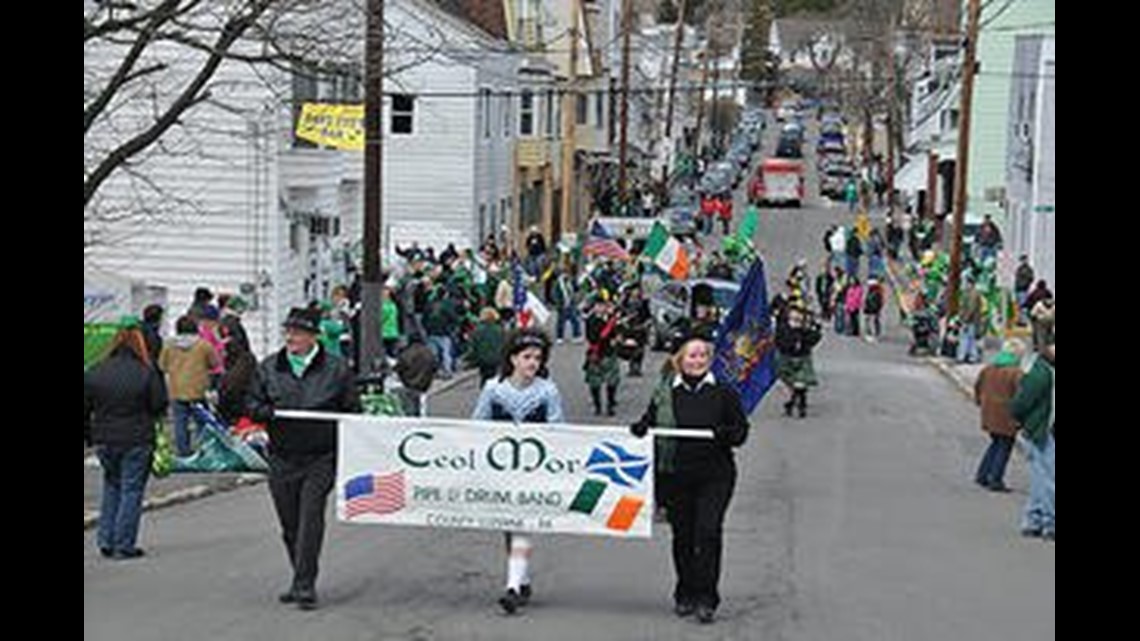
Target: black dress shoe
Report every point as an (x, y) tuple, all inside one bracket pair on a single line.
[(106, 553), (306, 599), (288, 597), (134, 553), (525, 593), (705, 615), (683, 609), (510, 602)]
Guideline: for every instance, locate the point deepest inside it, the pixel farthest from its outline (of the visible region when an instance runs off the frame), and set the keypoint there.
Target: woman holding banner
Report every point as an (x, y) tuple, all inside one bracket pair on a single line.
[(697, 475), (522, 393)]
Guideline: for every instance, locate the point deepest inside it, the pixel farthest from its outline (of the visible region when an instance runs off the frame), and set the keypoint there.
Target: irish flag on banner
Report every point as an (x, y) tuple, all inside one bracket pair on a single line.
[(666, 252)]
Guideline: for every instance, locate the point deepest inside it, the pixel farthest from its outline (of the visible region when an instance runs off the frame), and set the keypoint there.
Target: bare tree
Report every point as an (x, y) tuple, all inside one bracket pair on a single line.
[(151, 65)]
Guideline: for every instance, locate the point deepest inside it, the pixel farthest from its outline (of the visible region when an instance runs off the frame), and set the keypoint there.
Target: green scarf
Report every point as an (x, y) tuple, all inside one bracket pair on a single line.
[(299, 363), (1006, 359)]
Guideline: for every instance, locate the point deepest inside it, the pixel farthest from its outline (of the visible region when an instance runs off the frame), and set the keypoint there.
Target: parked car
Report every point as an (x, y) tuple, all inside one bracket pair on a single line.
[(672, 304), (682, 220)]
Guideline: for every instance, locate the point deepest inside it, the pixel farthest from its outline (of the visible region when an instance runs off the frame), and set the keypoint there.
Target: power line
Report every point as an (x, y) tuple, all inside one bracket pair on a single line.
[(1022, 27), (693, 88), (1001, 11)]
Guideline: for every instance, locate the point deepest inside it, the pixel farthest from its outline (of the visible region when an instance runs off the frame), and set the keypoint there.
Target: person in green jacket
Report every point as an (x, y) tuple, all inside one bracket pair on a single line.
[(487, 341), (440, 322), (332, 329), (1035, 408), (389, 323)]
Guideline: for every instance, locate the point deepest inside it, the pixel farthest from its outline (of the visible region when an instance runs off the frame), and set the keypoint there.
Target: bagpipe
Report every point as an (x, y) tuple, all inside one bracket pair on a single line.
[(630, 336)]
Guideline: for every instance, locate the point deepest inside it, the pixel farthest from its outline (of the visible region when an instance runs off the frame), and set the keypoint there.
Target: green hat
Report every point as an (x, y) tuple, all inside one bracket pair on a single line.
[(237, 304)]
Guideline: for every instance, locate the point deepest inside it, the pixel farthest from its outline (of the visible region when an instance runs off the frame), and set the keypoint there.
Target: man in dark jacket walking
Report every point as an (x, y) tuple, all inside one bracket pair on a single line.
[(302, 453), (416, 366)]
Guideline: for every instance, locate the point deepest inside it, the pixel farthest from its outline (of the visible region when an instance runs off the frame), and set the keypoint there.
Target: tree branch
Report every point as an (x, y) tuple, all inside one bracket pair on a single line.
[(190, 96), (160, 15)]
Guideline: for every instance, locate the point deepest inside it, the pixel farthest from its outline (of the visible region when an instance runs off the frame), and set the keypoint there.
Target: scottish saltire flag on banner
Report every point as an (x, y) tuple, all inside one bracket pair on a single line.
[(745, 347), (617, 464)]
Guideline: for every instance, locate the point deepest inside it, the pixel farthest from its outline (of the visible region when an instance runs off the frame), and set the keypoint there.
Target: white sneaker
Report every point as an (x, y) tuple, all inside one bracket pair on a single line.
[(559, 342)]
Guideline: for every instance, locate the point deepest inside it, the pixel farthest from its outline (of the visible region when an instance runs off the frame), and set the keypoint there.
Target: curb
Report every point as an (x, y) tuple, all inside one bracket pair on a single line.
[(454, 382), (185, 495), (963, 386)]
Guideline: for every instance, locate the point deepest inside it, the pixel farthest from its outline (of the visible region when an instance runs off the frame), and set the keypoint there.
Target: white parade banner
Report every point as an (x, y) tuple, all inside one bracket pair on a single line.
[(481, 475)]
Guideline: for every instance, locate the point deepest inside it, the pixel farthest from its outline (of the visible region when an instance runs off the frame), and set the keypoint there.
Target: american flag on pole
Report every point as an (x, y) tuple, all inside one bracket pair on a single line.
[(374, 493), (600, 242)]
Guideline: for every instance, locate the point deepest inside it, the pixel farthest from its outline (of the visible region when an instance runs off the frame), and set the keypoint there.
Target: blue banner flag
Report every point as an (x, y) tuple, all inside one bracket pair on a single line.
[(746, 347)]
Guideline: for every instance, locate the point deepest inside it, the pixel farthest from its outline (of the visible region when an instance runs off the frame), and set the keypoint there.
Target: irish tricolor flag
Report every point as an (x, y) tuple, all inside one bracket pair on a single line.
[(666, 252)]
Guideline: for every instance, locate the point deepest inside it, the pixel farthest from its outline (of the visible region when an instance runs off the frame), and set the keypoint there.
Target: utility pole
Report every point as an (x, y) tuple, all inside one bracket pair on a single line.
[(678, 38), (370, 314), (969, 64), (623, 154), (714, 126), (569, 127), (892, 96), (701, 102)]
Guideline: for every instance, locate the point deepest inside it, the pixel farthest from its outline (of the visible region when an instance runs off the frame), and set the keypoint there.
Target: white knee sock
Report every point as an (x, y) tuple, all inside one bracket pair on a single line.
[(518, 562)]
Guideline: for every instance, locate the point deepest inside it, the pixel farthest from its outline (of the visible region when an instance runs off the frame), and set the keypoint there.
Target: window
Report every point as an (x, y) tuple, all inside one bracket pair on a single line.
[(599, 111), (295, 230), (558, 116), (506, 107), (582, 111), (549, 113), (403, 112), (485, 111), (526, 113), (949, 120)]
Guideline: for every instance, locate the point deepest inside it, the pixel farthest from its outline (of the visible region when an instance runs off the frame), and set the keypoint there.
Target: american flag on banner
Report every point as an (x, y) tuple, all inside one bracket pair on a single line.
[(600, 242), (374, 493)]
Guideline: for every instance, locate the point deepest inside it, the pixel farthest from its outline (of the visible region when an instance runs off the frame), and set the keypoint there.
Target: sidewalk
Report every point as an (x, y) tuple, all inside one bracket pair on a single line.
[(962, 376), (181, 488)]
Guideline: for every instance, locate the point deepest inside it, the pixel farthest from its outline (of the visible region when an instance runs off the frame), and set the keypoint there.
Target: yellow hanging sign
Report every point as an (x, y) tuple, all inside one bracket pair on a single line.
[(336, 126)]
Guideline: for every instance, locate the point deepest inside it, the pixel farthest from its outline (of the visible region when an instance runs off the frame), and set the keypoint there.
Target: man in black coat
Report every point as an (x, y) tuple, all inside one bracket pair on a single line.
[(302, 453)]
